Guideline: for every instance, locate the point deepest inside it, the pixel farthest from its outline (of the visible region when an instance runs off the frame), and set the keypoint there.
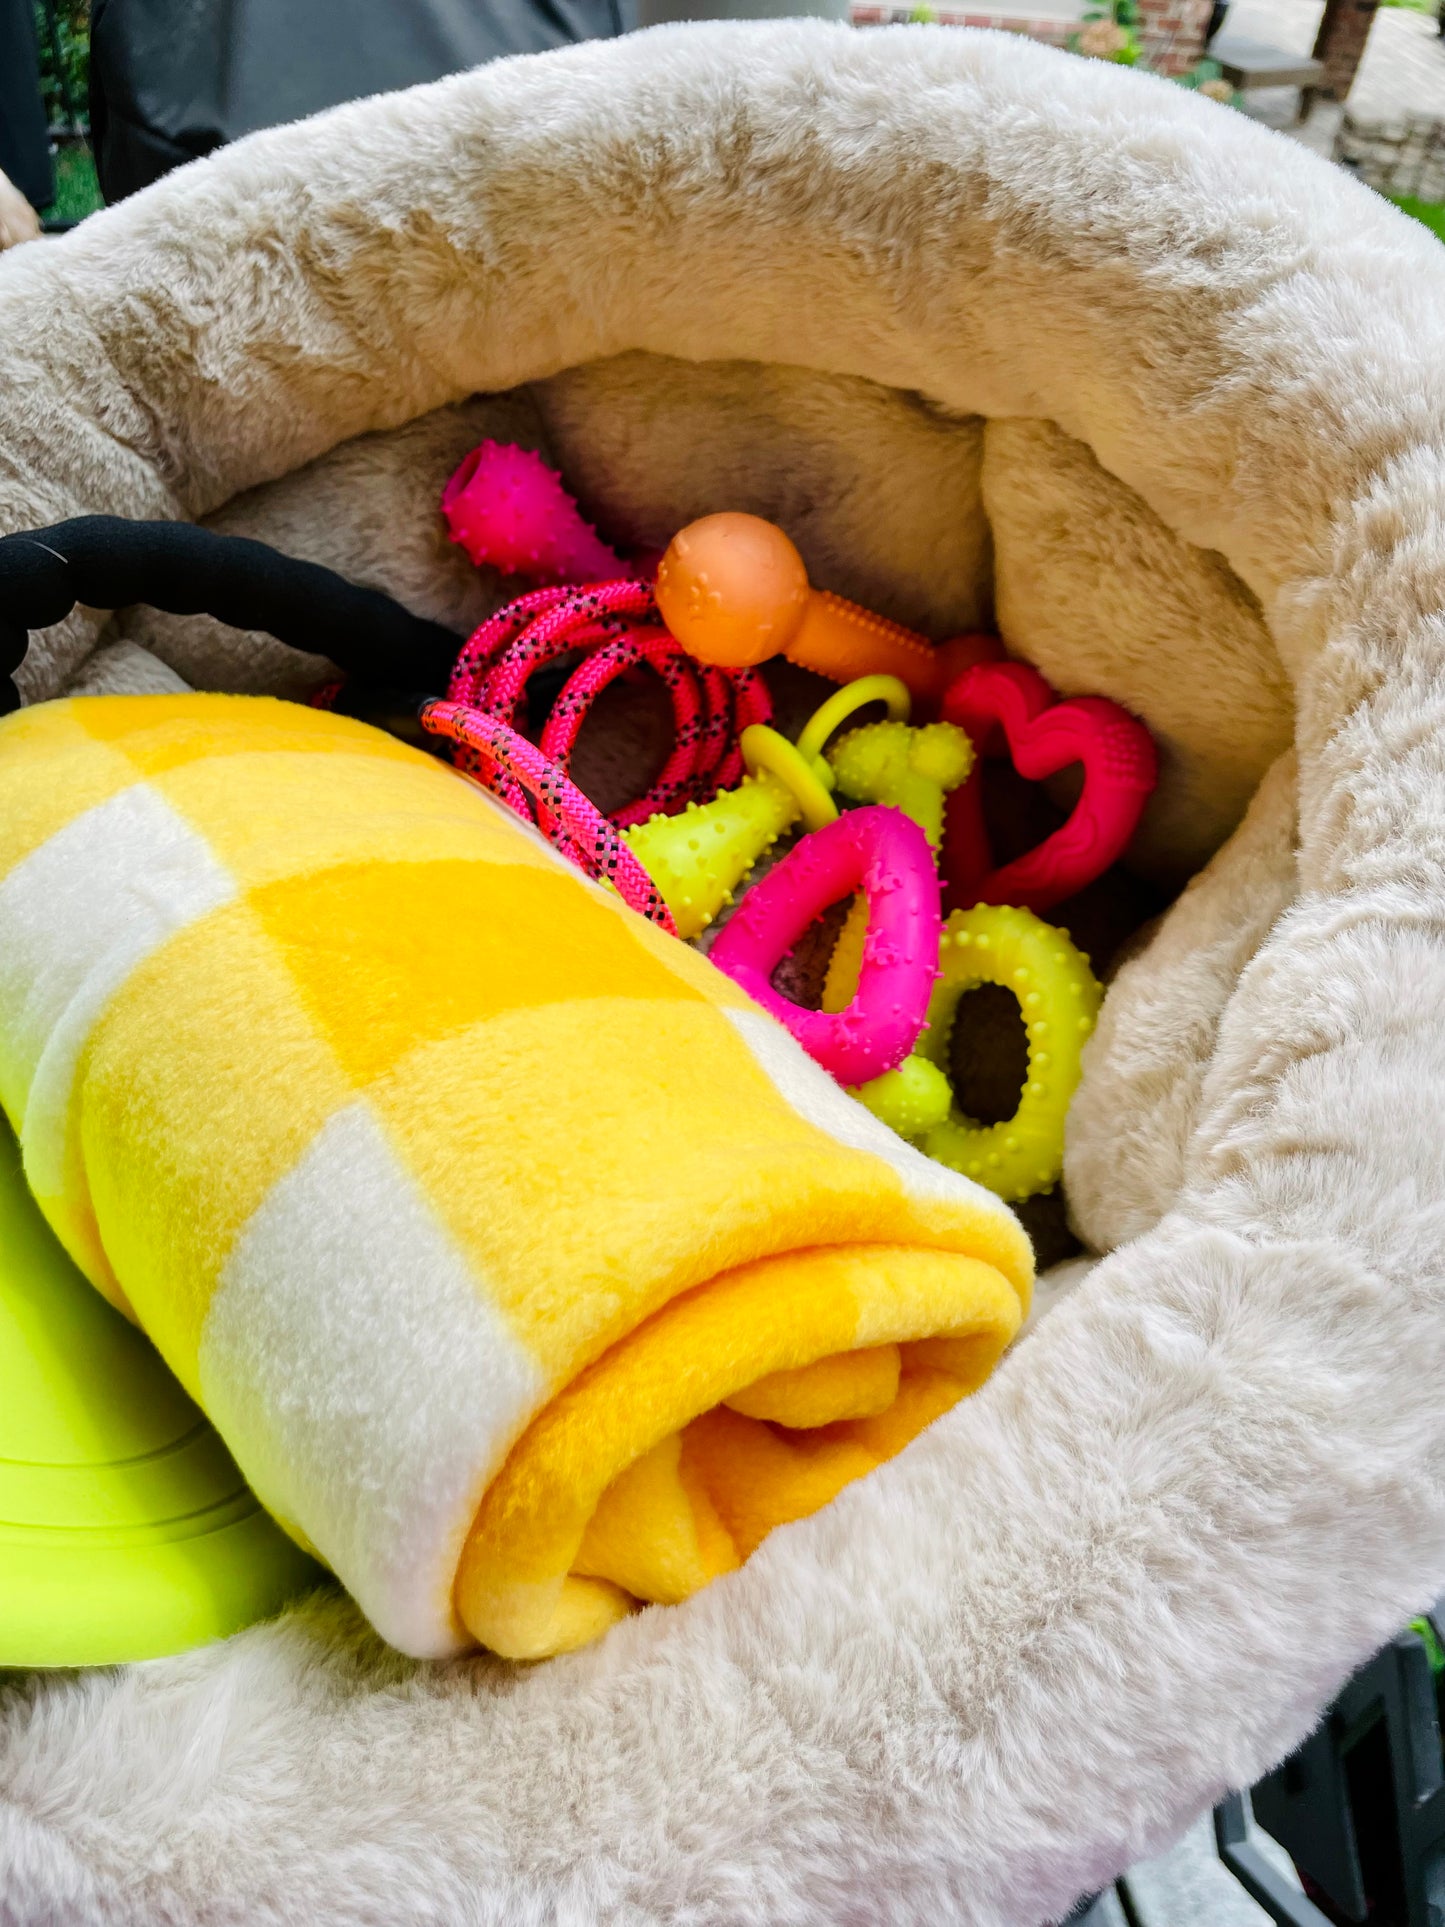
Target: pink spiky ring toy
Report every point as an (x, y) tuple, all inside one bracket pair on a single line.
[(883, 853)]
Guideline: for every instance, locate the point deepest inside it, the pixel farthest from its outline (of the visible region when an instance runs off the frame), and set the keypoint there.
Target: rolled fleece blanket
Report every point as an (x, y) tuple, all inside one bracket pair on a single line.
[(528, 1270)]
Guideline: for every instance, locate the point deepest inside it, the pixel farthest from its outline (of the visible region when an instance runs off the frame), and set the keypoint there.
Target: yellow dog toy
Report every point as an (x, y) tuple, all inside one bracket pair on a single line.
[(914, 769), (1059, 997)]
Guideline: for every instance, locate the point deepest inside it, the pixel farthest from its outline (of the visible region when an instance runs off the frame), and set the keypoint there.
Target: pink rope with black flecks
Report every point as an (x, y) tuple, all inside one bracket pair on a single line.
[(580, 831), (617, 624)]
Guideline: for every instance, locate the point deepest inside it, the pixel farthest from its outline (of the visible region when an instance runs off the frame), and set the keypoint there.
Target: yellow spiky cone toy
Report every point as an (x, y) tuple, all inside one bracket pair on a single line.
[(911, 769), (698, 858)]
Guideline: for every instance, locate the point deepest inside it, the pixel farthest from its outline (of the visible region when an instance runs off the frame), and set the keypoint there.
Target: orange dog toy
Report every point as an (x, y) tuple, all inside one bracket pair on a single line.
[(734, 591)]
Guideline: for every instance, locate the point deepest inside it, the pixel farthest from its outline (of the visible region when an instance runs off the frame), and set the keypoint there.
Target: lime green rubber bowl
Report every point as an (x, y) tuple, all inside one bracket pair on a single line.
[(126, 1530)]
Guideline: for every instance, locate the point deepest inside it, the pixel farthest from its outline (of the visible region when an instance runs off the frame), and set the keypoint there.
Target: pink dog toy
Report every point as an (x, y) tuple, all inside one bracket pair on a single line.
[(1009, 704), (883, 853), (616, 622), (513, 769), (508, 509)]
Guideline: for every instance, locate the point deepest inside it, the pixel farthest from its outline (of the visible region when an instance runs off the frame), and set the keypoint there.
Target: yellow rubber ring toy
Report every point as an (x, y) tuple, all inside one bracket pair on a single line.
[(1059, 998), (809, 781), (846, 702)]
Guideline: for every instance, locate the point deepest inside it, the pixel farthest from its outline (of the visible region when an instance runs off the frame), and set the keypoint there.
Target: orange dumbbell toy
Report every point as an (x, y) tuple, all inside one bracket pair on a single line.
[(734, 591)]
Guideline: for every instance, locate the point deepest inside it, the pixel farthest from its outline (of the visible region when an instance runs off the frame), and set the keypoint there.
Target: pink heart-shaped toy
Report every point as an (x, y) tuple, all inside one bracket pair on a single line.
[(1008, 708)]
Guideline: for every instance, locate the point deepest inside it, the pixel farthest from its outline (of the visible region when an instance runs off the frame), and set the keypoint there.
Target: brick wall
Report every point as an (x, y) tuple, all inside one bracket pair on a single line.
[(1341, 41), (1397, 157), (1173, 33), (1172, 30), (1053, 31)]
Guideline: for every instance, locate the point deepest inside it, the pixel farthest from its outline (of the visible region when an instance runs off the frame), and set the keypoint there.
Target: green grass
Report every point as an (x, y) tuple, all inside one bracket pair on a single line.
[(1432, 1644), (77, 192), (1431, 213), (1414, 6), (73, 27)]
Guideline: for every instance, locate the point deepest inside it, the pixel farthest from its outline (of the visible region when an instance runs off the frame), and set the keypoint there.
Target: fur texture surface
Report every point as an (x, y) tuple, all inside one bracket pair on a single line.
[(366, 509), (1129, 1572), (1135, 1114), (1099, 593), (880, 492)]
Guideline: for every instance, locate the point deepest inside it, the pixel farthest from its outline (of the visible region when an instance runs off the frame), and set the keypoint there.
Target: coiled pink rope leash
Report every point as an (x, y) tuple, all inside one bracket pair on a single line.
[(616, 624), (514, 769)]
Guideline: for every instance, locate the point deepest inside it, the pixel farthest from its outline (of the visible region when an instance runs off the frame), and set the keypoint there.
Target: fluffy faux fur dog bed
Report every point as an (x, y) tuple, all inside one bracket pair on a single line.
[(985, 325)]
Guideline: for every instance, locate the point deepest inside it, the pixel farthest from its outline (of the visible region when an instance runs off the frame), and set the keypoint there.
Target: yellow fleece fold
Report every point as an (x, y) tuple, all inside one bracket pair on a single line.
[(527, 1268)]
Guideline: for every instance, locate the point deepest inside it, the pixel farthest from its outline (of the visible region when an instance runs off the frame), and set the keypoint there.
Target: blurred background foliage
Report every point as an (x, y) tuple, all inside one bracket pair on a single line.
[(62, 31)]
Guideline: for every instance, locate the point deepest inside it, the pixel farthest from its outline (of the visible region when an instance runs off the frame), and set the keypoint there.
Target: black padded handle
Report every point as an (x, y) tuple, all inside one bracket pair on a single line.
[(108, 562)]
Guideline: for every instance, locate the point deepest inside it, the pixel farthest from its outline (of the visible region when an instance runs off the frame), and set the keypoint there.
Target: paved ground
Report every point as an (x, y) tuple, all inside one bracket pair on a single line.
[(1187, 1887), (1403, 71)]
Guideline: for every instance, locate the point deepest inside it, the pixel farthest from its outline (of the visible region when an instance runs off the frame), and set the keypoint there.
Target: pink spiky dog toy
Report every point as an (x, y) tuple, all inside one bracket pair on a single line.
[(509, 511), (885, 854)]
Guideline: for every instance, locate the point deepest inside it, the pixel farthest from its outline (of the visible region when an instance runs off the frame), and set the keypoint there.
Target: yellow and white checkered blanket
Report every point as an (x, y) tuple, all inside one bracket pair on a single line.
[(527, 1269)]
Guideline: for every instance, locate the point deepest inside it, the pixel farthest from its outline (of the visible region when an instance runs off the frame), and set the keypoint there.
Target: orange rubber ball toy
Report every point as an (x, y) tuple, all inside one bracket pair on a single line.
[(734, 592)]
